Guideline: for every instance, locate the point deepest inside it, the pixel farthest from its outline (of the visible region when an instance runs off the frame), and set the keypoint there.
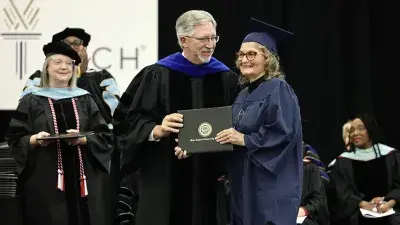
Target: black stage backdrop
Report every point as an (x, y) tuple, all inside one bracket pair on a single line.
[(341, 61)]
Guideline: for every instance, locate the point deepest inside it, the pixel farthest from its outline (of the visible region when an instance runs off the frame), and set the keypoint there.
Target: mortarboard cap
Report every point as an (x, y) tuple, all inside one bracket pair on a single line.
[(266, 34), (75, 32), (58, 47)]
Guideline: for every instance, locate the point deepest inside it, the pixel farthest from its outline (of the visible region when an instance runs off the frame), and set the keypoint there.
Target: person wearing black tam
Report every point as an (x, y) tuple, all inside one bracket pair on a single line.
[(61, 181), (146, 124), (100, 84), (78, 39), (266, 167), (73, 36)]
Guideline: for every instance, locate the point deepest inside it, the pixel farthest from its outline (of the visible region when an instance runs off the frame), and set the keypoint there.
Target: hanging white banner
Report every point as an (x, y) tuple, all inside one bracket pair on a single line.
[(124, 38)]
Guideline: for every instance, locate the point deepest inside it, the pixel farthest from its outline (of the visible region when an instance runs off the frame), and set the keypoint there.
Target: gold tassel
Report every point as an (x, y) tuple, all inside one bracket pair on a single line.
[(78, 72)]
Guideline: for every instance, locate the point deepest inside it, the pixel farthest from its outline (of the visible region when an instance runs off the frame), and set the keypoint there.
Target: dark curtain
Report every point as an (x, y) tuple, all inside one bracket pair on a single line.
[(342, 60)]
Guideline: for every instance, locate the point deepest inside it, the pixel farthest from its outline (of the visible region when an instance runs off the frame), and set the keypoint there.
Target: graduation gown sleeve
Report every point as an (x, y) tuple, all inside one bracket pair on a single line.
[(19, 134), (104, 90), (280, 132), (138, 113), (111, 93), (99, 144), (32, 83), (314, 198), (394, 192)]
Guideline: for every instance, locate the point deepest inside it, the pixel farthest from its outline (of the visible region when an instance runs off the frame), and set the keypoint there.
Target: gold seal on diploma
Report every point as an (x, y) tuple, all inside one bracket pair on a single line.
[(205, 129)]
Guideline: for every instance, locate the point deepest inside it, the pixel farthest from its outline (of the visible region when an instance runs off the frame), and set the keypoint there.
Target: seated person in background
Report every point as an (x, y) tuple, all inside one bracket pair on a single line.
[(346, 134), (313, 201), (366, 176), (311, 154)]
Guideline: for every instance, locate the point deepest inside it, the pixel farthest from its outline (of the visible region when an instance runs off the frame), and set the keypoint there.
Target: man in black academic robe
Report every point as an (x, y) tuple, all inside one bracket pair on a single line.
[(100, 84), (173, 191)]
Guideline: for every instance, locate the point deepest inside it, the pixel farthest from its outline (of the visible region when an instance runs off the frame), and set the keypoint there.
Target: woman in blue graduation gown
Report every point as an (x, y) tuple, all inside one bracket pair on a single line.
[(61, 182), (367, 176), (266, 167)]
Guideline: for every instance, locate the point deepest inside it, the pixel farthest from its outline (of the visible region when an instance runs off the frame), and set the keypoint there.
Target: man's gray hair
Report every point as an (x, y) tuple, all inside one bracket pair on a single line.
[(186, 22)]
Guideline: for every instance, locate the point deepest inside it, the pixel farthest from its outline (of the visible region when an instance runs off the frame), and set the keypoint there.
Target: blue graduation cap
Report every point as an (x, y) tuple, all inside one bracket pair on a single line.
[(266, 35)]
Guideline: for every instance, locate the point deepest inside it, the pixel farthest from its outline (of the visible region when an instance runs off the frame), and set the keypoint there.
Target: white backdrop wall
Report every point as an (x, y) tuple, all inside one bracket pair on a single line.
[(124, 37)]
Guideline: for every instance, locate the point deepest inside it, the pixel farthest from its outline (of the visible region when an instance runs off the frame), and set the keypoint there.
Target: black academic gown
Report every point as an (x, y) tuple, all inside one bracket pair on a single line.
[(43, 203), (172, 191), (313, 197), (104, 91), (348, 195)]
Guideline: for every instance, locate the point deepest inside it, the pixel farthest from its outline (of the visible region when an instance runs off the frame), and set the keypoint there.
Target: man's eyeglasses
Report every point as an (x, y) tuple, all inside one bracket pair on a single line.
[(75, 43), (249, 55), (206, 39)]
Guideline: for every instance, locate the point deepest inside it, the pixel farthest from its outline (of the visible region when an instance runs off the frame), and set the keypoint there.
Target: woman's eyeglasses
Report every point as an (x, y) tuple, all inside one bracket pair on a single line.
[(249, 55), (358, 129), (59, 62)]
